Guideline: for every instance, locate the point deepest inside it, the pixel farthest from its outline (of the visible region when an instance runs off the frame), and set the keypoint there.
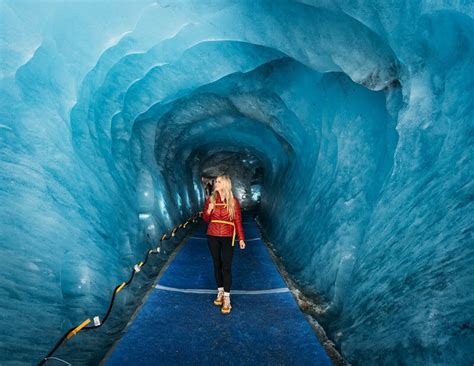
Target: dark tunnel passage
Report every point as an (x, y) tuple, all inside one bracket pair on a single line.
[(347, 134)]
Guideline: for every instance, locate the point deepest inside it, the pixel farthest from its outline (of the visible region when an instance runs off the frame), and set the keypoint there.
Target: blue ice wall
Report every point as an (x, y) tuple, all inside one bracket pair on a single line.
[(360, 112)]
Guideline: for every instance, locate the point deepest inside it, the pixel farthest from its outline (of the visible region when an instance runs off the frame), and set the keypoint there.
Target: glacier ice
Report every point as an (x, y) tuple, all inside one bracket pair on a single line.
[(358, 114)]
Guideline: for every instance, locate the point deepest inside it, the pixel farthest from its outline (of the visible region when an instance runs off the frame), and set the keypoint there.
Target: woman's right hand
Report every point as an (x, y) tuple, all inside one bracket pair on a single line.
[(210, 208)]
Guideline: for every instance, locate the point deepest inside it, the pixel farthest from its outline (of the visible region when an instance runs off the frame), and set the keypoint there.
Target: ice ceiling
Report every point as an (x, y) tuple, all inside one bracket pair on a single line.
[(358, 113)]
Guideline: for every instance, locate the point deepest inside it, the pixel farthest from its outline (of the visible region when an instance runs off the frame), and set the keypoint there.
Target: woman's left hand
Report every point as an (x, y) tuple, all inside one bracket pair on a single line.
[(242, 244)]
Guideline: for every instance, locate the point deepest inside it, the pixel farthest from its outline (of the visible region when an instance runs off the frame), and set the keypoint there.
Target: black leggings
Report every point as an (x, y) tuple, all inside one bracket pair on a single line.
[(222, 264)]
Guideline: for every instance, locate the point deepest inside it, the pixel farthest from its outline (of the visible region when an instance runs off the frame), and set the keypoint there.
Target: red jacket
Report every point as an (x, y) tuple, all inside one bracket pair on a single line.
[(221, 213)]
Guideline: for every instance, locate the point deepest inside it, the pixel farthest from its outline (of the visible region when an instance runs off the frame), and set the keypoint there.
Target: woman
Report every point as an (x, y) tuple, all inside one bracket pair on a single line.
[(222, 211)]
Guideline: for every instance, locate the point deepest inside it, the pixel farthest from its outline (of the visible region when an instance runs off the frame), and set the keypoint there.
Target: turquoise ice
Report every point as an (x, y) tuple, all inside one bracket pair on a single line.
[(361, 114)]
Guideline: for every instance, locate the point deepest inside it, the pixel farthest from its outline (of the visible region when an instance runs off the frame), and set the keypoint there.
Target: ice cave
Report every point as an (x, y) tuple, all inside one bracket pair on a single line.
[(347, 125)]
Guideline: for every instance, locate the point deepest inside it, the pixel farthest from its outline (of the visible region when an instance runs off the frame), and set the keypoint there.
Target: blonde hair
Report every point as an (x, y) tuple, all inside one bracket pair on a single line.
[(228, 197)]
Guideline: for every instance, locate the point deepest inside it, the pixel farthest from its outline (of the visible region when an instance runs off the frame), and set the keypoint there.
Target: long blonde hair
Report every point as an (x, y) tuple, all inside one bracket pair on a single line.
[(228, 196)]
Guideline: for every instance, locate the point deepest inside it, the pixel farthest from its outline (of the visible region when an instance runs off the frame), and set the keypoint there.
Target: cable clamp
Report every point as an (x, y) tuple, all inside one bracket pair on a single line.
[(96, 321), (137, 268)]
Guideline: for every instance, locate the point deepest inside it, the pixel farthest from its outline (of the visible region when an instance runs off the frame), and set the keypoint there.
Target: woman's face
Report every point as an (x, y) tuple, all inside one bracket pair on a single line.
[(219, 184)]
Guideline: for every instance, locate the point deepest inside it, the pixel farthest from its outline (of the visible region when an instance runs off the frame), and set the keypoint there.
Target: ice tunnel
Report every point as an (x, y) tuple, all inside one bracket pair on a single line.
[(347, 124)]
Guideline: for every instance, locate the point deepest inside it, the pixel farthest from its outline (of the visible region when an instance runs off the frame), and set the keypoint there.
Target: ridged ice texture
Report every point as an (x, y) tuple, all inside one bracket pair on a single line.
[(361, 113)]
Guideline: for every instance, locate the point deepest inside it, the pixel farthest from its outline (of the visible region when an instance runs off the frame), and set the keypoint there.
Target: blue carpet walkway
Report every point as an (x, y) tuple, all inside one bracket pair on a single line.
[(180, 325)]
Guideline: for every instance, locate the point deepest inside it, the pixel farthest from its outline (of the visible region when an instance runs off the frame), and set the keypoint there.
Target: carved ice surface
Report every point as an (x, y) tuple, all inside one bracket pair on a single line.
[(351, 121)]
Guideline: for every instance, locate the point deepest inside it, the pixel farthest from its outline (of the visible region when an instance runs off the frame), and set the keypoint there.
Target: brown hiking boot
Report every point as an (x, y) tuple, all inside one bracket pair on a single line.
[(225, 309), (219, 299)]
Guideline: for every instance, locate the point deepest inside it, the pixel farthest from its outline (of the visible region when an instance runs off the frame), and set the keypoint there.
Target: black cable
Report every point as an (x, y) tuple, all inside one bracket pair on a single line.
[(58, 344), (108, 310)]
